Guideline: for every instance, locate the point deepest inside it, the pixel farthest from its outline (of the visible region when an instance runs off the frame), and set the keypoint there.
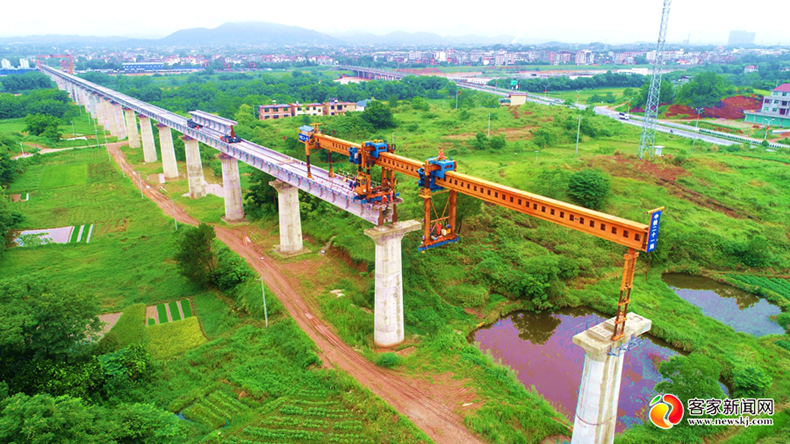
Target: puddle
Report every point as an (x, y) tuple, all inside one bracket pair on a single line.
[(539, 348), (742, 311)]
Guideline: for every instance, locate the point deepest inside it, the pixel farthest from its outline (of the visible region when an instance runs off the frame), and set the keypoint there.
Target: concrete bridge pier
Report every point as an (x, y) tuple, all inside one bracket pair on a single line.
[(599, 392), (111, 122), (103, 121), (169, 166), (92, 100), (388, 314), (120, 126), (149, 148), (131, 128), (234, 210), (290, 219), (197, 185)]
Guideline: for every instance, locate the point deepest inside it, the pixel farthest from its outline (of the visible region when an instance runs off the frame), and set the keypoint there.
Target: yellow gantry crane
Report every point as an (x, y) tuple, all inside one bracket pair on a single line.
[(439, 175)]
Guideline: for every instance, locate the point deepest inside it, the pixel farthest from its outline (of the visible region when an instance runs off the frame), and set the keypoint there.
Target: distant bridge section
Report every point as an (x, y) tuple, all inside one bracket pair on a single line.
[(109, 105)]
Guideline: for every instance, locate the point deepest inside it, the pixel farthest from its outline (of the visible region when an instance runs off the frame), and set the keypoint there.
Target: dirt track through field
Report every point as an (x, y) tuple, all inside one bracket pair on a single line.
[(434, 418)]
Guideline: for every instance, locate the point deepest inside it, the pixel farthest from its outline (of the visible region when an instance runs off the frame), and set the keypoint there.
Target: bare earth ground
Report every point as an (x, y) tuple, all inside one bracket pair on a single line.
[(406, 395), (150, 313), (110, 319)]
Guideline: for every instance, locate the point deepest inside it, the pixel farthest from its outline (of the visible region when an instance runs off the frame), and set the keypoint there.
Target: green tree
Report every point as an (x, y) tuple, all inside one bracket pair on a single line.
[(42, 319), (195, 256), (419, 103), (7, 167), (378, 115), (705, 89), (497, 142), (393, 101), (481, 141), (589, 188), (245, 115), (692, 376), (37, 124), (261, 199), (750, 381)]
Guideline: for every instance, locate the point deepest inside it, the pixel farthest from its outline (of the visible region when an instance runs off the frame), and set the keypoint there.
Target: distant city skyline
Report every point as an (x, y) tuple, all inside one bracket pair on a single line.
[(614, 21)]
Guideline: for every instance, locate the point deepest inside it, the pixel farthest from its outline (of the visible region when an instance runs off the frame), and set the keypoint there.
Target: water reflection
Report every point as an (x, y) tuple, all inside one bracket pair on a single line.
[(738, 309), (539, 348)]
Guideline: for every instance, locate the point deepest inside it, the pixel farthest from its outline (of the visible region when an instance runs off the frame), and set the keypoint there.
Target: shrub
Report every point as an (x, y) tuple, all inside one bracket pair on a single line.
[(388, 360), (589, 188), (750, 382)]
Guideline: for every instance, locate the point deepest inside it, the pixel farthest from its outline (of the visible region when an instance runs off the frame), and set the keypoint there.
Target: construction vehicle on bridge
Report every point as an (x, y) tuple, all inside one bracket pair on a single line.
[(438, 175)]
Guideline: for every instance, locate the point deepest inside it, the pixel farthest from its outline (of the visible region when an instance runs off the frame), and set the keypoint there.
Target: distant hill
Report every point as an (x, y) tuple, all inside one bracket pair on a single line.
[(246, 33), (420, 38)]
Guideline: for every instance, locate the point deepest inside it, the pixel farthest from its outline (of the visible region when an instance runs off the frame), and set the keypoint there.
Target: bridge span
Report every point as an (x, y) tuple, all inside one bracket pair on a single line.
[(120, 114)]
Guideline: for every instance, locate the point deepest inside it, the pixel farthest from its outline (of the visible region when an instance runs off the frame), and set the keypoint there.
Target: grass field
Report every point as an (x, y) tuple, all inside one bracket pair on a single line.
[(698, 235), (129, 265), (127, 260)]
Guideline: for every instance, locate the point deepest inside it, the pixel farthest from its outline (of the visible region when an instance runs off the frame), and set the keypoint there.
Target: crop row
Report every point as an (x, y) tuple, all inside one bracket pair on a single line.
[(780, 286), (351, 426), (226, 401), (301, 435), (347, 439), (308, 403), (200, 413), (237, 440), (289, 421), (314, 411)]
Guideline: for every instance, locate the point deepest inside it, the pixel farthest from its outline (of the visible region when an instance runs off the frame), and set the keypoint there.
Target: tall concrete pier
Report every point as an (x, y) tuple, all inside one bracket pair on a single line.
[(169, 166), (120, 126), (234, 210), (599, 392), (149, 147), (197, 185), (131, 128), (388, 316), (290, 219)]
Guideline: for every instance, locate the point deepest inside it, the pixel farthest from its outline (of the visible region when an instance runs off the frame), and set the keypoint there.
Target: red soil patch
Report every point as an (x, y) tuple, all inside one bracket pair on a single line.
[(514, 111), (731, 108)]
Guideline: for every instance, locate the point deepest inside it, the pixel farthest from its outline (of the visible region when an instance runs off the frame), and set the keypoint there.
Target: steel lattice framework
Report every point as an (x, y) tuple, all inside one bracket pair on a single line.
[(648, 140)]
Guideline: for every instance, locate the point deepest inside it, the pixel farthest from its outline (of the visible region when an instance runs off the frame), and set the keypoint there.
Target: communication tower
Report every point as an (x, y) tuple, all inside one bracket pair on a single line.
[(648, 140)]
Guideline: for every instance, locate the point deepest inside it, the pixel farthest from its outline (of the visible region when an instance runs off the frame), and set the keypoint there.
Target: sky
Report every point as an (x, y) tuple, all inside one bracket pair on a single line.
[(582, 21)]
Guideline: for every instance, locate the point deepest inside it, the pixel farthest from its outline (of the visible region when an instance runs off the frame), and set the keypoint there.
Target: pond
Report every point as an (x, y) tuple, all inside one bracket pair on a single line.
[(742, 311), (539, 348)]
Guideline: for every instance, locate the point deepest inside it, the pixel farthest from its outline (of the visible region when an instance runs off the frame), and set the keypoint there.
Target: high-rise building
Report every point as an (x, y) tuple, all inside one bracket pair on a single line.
[(741, 38), (5, 64), (23, 63)]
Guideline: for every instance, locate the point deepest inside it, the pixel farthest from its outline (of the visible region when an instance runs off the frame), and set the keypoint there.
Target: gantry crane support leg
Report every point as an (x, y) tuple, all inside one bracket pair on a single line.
[(307, 155), (625, 293), (452, 200), (329, 155)]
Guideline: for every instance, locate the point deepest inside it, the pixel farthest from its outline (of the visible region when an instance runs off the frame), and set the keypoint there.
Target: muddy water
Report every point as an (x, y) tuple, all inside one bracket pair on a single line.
[(738, 309), (539, 348)]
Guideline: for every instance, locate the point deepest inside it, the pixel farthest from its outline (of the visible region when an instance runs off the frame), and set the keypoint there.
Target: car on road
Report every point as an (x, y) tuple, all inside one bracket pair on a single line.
[(624, 116)]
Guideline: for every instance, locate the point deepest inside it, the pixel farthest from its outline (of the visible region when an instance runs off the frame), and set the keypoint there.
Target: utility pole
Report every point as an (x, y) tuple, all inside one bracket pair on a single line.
[(141, 183), (578, 130), (265, 311), (489, 125), (457, 91), (694, 143), (175, 217), (766, 129)]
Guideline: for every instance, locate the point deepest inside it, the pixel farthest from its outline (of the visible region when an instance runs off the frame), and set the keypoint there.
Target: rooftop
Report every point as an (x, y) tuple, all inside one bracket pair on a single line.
[(785, 87)]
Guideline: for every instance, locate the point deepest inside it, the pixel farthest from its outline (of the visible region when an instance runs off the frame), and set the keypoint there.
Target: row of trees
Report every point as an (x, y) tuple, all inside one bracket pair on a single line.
[(26, 82), (51, 102), (564, 83), (225, 94)]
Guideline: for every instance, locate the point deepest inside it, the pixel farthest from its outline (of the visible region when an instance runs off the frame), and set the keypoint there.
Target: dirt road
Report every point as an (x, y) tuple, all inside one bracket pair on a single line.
[(434, 418)]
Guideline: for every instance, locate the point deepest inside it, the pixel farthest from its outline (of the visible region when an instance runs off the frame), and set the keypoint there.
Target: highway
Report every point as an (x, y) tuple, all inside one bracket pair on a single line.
[(677, 129)]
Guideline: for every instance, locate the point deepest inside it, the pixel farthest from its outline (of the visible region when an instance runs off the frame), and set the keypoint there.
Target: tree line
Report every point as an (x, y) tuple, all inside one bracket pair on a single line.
[(225, 93)]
